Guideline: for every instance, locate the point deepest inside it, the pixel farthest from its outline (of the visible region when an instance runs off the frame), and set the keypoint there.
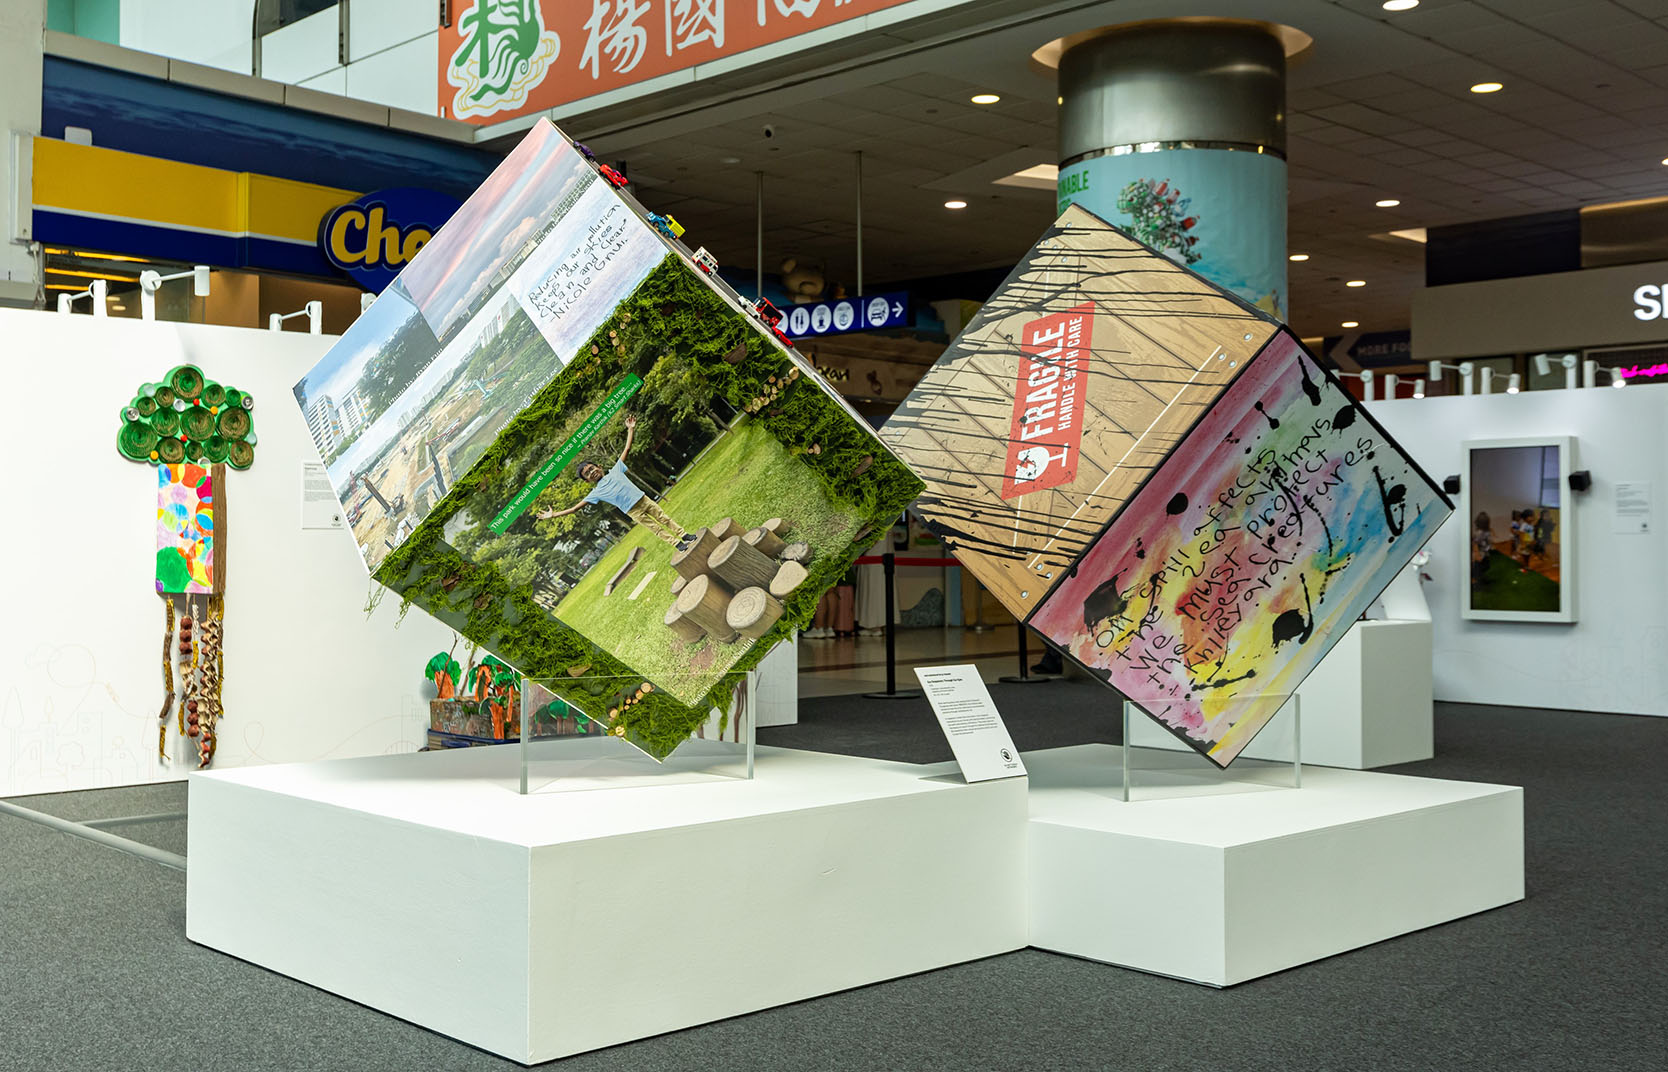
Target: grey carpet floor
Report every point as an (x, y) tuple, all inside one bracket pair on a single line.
[(96, 973)]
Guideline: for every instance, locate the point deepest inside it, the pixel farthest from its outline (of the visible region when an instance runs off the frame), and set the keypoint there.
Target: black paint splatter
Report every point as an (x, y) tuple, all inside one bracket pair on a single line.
[(1309, 387), (1224, 681), (1292, 624), (1104, 602), (1177, 504), (1394, 500), (1273, 422), (1343, 418)]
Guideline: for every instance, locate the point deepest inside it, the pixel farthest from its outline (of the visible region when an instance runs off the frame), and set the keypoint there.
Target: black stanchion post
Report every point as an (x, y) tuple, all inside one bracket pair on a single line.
[(890, 567), (1024, 676)]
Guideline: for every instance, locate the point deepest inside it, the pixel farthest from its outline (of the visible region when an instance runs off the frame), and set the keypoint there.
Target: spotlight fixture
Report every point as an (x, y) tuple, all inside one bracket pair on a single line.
[(955, 204), (1419, 387), (1388, 202), (1400, 5), (1514, 384), (1350, 324), (1487, 87), (1298, 257), (1356, 283), (984, 98)]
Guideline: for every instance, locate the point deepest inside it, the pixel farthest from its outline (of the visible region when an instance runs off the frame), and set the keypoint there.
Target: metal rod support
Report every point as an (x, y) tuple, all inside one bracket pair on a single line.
[(128, 820), (859, 291), (66, 826)]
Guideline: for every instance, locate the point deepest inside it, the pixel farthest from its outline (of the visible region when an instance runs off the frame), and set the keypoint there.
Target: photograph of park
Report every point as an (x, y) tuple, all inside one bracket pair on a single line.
[(656, 517), (1516, 529)]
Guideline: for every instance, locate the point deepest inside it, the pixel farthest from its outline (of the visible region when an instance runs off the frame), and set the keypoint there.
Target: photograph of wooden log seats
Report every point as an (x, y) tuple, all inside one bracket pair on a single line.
[(733, 587)]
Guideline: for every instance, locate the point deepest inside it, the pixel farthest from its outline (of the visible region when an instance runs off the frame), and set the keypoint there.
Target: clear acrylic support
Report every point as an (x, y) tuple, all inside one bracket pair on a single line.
[(565, 747), (1160, 765)]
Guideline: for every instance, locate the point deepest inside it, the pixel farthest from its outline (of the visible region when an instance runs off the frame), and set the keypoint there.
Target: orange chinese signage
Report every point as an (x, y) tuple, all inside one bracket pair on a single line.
[(504, 58)]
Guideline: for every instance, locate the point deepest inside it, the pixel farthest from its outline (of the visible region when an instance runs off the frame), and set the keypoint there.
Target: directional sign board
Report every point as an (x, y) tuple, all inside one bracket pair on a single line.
[(841, 315), (1370, 349)]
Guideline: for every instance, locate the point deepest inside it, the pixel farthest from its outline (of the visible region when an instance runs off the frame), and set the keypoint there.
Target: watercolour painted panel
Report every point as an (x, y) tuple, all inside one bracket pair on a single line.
[(1253, 547), (556, 434), (1082, 372), (185, 529)]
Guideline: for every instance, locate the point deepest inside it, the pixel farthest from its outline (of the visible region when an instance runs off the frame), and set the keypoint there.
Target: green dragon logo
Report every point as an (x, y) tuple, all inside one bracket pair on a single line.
[(504, 53)]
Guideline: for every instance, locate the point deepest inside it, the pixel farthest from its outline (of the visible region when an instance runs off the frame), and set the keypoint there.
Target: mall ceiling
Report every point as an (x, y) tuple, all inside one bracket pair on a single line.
[(1380, 108)]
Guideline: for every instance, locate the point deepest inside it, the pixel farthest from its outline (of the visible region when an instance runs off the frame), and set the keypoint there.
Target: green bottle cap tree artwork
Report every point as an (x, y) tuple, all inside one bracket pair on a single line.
[(188, 418), (188, 426)]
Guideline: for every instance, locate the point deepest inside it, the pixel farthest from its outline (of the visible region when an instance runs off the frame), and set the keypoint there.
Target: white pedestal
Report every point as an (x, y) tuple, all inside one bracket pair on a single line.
[(1223, 883), (1368, 704), (541, 926)]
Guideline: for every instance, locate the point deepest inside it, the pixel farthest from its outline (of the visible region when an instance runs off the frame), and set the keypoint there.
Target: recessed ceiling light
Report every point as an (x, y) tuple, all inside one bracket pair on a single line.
[(1059, 100), (1487, 87), (1356, 283), (1400, 5), (955, 204), (1388, 202), (729, 160), (1298, 257), (984, 98), (1665, 161), (1350, 324)]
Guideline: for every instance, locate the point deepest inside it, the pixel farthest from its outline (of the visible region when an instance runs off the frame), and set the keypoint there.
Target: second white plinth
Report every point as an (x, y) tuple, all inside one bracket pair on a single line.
[(1219, 883)]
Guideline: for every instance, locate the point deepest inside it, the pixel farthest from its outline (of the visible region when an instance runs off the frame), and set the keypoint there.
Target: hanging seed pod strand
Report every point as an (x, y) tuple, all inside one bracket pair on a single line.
[(167, 679)]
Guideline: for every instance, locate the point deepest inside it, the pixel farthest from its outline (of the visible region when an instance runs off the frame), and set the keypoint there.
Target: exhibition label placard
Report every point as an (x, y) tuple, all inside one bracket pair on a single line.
[(970, 721)]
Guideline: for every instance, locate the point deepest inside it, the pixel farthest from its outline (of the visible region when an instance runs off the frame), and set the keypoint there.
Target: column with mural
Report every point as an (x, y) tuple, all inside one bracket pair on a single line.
[(1174, 130)]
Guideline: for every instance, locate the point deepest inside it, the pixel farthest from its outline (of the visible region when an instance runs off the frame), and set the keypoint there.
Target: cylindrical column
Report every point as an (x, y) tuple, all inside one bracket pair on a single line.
[(1175, 131)]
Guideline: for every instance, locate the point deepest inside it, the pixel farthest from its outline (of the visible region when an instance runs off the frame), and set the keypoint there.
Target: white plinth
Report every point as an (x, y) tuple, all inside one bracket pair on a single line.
[(1368, 703), (541, 926), (1236, 882)]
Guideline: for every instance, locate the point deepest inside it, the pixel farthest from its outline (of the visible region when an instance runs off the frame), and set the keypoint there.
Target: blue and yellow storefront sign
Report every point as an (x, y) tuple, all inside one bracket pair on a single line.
[(372, 237), (102, 199)]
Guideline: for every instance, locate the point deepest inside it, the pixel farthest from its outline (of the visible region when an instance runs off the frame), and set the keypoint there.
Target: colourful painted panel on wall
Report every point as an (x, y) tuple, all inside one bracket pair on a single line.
[(1253, 547), (184, 529)]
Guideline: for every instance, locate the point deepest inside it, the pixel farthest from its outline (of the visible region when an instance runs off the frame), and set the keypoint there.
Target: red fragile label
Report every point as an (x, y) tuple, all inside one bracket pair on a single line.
[(1047, 426)]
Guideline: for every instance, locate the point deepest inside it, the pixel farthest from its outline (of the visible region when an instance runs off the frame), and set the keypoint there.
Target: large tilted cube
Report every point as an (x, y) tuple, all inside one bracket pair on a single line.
[(1159, 479), (559, 435)]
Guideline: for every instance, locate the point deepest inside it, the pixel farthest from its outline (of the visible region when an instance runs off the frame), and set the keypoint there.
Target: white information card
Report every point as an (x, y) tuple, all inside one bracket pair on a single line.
[(319, 508), (970, 720)]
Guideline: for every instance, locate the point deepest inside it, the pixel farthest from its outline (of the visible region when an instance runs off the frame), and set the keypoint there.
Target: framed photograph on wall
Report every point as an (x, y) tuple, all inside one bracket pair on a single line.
[(1520, 517)]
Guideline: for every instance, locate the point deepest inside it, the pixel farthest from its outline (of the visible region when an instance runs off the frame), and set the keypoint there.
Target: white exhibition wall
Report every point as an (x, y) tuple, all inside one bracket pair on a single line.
[(309, 675), (1610, 658)]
